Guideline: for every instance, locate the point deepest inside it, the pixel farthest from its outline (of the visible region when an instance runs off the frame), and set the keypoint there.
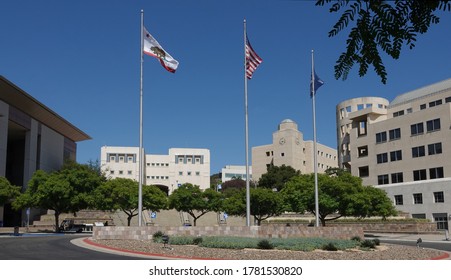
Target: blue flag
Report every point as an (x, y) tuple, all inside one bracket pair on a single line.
[(318, 83)]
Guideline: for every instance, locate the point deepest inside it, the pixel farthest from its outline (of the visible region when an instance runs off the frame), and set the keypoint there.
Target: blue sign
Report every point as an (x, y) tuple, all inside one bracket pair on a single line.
[(225, 215), (153, 215)]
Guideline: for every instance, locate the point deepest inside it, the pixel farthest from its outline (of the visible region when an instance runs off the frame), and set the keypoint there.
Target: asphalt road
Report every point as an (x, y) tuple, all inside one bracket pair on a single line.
[(438, 245), (50, 247)]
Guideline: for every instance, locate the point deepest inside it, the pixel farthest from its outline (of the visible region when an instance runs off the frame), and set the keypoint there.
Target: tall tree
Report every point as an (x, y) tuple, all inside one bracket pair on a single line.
[(194, 201), (339, 196), (122, 194), (63, 191), (7, 191), (264, 204), (277, 176), (380, 26)]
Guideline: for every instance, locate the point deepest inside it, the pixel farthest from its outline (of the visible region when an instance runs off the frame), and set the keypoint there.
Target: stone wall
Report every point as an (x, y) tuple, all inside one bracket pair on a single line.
[(267, 231)]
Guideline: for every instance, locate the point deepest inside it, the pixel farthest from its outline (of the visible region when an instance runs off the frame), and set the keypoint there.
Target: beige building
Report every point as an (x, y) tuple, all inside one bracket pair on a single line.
[(402, 146), (289, 148), (179, 166), (230, 172)]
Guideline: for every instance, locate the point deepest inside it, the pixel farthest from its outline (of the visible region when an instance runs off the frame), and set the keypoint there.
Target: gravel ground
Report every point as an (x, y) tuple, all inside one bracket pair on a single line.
[(382, 252)]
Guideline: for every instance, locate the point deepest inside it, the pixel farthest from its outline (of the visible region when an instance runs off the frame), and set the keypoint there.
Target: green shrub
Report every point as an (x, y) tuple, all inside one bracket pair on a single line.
[(356, 238), (330, 247), (157, 237), (197, 240), (368, 244), (377, 242), (265, 245)]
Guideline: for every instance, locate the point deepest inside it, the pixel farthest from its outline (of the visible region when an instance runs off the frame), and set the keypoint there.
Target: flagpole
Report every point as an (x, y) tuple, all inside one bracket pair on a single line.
[(141, 125), (315, 151), (248, 204)]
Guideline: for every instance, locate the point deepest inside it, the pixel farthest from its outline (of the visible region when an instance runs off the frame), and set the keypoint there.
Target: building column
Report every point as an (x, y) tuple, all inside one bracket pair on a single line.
[(31, 151), (4, 116)]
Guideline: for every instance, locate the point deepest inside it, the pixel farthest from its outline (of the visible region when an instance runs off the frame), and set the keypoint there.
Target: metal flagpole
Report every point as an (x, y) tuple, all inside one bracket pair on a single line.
[(248, 204), (315, 151), (141, 126)]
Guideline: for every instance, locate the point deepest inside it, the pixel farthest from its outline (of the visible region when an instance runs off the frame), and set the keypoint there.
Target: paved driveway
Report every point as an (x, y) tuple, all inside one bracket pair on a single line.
[(50, 247)]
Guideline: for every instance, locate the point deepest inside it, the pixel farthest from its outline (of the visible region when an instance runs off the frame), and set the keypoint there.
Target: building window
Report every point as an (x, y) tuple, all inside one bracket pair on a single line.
[(441, 219), (433, 125), (381, 158), (399, 113), (112, 172), (422, 106), (439, 197), (268, 154), (436, 173), (364, 171), (417, 198), (418, 151), (197, 173), (419, 175), (282, 154), (399, 200), (397, 178), (448, 99), (409, 110), (362, 151), (180, 173), (435, 103), (396, 155), (395, 134), (112, 158), (419, 216), (382, 179), (416, 129), (129, 172), (189, 173), (121, 172), (381, 137), (435, 148)]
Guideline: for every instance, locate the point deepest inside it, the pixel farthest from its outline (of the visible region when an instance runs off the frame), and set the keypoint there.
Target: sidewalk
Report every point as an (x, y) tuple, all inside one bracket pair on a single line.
[(408, 237)]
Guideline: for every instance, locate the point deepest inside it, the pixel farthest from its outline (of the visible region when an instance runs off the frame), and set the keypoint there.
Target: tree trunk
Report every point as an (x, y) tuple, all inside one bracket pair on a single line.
[(57, 223), (129, 220)]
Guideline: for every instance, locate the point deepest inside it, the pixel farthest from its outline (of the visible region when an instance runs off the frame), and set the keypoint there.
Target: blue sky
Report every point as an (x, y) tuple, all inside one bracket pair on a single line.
[(82, 58)]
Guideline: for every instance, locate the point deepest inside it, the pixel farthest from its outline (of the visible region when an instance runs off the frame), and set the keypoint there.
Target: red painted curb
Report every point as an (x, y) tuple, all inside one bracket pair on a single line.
[(86, 240), (442, 257)]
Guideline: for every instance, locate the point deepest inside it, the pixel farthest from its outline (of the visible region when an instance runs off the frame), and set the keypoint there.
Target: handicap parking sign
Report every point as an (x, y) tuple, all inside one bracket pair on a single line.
[(153, 215)]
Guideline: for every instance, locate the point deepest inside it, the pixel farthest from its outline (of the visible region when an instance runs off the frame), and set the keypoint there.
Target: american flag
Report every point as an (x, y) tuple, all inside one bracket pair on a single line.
[(252, 60)]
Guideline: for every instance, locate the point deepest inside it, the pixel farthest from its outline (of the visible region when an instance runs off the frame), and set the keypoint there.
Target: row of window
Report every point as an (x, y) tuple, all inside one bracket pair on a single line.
[(418, 175), (189, 173), (420, 151), (188, 159), (417, 198), (158, 164), (121, 158), (415, 129), (121, 172), (158, 177), (423, 106)]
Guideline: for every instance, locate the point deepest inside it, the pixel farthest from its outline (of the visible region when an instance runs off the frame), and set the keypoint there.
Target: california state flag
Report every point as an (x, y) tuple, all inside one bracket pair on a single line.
[(153, 48)]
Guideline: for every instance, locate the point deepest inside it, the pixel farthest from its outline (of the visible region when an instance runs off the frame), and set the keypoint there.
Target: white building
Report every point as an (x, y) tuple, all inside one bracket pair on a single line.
[(289, 148), (403, 147), (230, 172), (179, 166)]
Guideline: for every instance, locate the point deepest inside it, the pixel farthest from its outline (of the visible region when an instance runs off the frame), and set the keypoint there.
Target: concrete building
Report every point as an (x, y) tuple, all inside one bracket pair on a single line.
[(230, 172), (179, 166), (32, 137), (403, 147), (289, 148)]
